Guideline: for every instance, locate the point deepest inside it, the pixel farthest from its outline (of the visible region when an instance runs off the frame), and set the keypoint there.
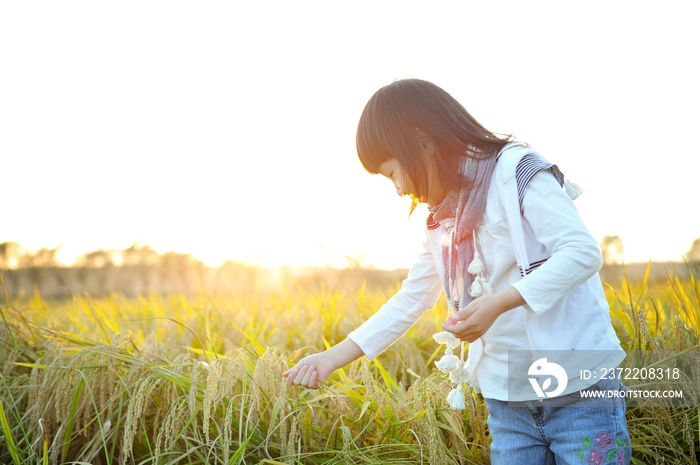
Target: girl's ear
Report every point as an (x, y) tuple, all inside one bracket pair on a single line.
[(426, 143)]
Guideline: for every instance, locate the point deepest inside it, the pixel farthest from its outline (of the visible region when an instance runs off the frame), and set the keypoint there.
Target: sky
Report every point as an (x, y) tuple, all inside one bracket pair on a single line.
[(227, 129)]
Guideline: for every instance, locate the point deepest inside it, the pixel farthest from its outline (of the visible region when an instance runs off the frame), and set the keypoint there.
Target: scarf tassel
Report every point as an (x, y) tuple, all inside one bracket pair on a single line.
[(446, 337), (448, 362), (475, 289), (456, 398), (572, 189), (476, 266), (461, 374)]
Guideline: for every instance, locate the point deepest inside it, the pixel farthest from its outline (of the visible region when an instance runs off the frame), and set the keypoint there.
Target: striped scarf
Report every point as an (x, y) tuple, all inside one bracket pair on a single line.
[(458, 252)]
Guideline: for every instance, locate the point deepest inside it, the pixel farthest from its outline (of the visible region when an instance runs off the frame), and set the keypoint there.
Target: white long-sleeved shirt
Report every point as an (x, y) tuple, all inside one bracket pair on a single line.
[(565, 306)]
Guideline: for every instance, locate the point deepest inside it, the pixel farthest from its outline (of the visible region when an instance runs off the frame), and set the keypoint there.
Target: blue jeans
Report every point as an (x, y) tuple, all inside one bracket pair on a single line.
[(565, 430)]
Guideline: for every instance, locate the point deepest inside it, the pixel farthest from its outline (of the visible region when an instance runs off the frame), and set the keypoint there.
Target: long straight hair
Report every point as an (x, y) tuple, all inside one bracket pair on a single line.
[(388, 129)]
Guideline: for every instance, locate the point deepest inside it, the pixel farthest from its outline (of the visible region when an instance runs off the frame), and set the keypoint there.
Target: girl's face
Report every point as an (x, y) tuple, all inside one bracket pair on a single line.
[(392, 170)]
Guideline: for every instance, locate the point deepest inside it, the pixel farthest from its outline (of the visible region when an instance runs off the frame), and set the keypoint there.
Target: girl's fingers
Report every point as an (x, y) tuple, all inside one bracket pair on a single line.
[(291, 374), (449, 327), (462, 333), (304, 375), (307, 376), (290, 370), (300, 375)]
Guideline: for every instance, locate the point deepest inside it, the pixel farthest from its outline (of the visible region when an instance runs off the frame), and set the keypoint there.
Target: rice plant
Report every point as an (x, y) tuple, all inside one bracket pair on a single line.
[(170, 379)]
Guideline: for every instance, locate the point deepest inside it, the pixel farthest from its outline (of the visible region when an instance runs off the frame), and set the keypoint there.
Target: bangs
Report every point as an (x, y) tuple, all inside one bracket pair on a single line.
[(372, 146), (371, 152)]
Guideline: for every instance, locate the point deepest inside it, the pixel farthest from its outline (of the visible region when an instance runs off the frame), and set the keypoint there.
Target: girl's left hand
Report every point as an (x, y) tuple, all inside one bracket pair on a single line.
[(475, 319)]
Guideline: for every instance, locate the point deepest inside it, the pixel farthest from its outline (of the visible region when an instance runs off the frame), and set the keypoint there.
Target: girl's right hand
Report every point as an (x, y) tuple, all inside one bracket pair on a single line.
[(311, 371)]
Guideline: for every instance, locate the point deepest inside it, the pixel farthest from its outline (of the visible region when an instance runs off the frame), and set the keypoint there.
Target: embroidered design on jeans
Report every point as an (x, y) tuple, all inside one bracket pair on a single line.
[(602, 449), (602, 440)]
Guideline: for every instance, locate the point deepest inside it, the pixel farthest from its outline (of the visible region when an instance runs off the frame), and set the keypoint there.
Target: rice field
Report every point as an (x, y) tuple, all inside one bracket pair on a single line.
[(175, 379)]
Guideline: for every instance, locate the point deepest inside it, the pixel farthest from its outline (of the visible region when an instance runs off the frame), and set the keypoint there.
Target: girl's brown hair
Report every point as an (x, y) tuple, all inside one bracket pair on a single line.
[(389, 125)]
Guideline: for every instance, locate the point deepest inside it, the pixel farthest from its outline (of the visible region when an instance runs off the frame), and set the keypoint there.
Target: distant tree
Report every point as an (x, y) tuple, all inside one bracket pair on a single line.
[(178, 260), (139, 254), (360, 261), (611, 248), (693, 255), (11, 254), (42, 258), (97, 259)]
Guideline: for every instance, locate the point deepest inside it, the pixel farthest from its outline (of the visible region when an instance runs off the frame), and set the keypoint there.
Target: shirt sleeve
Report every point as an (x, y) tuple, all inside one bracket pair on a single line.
[(419, 292), (574, 253)]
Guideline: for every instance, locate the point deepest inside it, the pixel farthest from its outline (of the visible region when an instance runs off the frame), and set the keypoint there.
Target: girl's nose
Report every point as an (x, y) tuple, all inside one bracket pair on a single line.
[(398, 190)]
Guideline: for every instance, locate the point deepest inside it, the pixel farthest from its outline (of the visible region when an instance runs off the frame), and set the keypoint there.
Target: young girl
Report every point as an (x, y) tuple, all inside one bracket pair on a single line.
[(519, 270)]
